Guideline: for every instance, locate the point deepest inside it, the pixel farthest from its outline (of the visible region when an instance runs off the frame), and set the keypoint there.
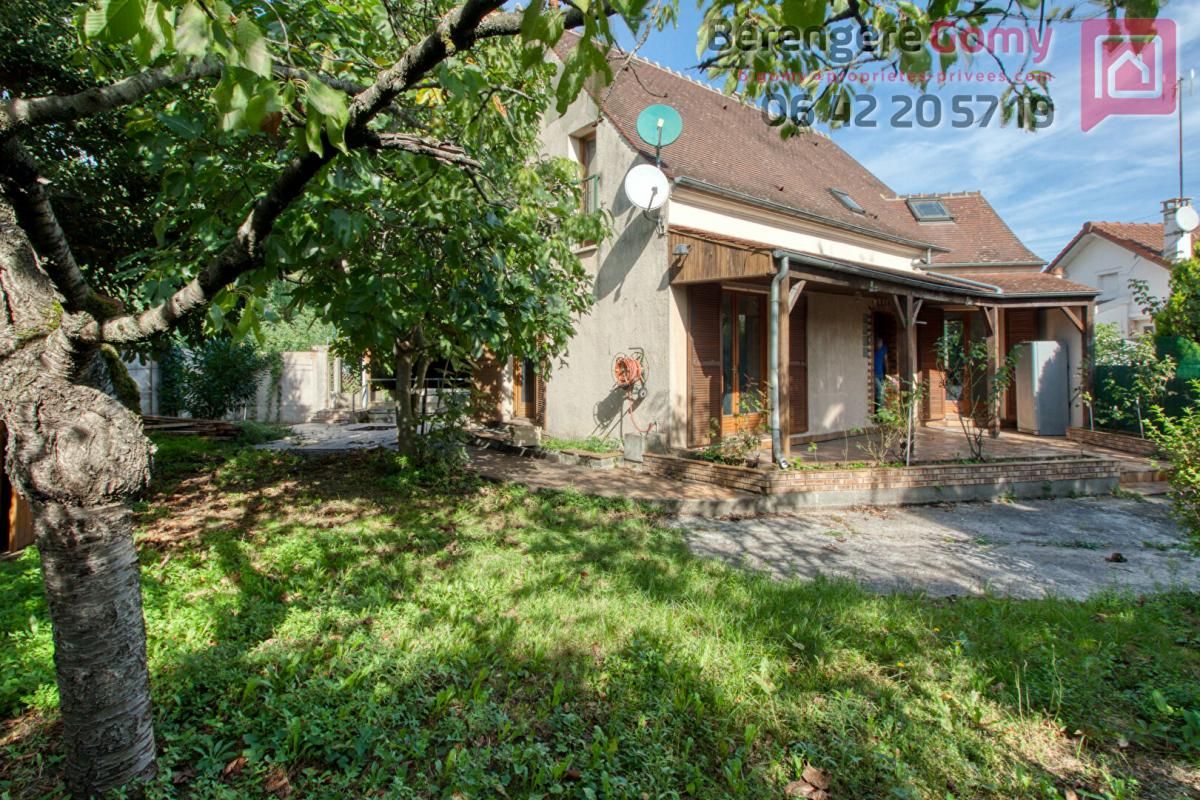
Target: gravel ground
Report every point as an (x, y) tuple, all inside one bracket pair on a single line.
[(1027, 549)]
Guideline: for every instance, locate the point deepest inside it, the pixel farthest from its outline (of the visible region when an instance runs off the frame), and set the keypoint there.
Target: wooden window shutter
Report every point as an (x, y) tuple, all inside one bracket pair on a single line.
[(798, 365), (1020, 325), (539, 416), (704, 361), (933, 405)]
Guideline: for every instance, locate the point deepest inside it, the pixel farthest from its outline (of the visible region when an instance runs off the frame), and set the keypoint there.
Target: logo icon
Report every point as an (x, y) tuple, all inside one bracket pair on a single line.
[(1128, 68)]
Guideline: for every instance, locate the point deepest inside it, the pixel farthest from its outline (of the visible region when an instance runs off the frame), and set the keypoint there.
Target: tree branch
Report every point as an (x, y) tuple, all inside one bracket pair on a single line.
[(20, 113), (445, 152), (457, 30), (24, 189)]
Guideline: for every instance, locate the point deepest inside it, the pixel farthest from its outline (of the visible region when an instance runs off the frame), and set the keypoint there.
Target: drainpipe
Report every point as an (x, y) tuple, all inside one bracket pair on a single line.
[(773, 367)]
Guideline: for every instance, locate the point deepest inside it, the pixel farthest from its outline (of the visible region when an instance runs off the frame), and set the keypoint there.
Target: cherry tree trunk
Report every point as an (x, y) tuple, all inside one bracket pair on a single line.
[(79, 457), (405, 402)]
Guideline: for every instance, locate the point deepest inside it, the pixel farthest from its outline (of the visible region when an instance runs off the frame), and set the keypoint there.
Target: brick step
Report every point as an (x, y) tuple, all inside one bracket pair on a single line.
[(1149, 475)]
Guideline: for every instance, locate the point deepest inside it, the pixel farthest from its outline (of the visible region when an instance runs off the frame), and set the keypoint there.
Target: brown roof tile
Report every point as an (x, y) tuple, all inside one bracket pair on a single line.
[(1143, 238), (1039, 283), (727, 144)]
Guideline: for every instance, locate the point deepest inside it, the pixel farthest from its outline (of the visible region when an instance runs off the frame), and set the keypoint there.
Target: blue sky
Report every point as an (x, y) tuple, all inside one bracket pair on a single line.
[(1044, 184)]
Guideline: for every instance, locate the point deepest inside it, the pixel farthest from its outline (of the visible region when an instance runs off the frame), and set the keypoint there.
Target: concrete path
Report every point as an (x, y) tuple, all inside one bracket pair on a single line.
[(1024, 549)]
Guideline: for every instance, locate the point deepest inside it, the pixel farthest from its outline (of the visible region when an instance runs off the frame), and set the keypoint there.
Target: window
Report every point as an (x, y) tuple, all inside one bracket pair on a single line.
[(1110, 284), (929, 210), (585, 150), (848, 201)]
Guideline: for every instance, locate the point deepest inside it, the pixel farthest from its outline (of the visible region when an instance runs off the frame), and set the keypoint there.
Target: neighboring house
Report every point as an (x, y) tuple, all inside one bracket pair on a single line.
[(688, 289), (1108, 255)]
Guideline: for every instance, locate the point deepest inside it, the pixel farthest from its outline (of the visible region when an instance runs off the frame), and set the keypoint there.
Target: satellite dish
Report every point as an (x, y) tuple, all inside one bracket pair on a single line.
[(659, 125), (647, 187), (1187, 219)]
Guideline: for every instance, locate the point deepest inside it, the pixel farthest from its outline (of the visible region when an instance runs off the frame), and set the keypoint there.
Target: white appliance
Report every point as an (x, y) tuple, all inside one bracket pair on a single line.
[(1043, 387)]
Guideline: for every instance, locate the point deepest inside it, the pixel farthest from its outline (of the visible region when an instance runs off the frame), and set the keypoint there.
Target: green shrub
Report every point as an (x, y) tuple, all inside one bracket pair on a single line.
[(1179, 439), (224, 375)]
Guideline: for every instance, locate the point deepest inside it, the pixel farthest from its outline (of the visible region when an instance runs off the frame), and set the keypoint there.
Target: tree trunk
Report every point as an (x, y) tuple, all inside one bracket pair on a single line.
[(79, 457), (406, 418), (90, 569)]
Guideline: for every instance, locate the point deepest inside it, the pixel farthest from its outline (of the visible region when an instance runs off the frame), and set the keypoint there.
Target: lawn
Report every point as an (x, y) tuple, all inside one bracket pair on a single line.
[(342, 629)]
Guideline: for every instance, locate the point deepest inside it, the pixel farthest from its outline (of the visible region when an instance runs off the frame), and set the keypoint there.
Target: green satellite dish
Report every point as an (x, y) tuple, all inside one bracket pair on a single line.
[(659, 125)]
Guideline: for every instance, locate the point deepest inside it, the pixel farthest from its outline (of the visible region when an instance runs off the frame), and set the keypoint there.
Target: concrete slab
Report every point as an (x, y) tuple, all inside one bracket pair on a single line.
[(1022, 549), (325, 438)]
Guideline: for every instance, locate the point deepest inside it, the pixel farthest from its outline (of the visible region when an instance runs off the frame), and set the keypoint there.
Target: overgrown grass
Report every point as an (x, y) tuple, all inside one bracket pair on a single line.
[(350, 634), (592, 444)]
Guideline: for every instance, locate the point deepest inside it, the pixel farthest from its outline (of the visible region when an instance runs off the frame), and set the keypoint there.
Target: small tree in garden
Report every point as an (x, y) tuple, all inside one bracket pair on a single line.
[(1145, 385), (969, 366), (1179, 440), (889, 439)]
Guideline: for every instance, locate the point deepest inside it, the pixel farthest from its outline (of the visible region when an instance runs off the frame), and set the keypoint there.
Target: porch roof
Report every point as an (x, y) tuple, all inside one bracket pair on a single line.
[(968, 288)]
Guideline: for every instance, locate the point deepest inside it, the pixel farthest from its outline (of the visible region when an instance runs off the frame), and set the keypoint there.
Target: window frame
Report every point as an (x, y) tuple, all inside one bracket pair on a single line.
[(915, 202)]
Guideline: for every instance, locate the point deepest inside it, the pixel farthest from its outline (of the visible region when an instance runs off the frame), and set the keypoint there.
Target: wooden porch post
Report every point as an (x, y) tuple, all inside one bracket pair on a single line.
[(995, 343), (1088, 378), (908, 318), (785, 378)]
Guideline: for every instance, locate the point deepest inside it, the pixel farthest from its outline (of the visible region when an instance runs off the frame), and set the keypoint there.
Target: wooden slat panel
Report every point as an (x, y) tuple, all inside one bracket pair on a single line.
[(1020, 325), (798, 366), (539, 414), (704, 361), (933, 407), (715, 261)]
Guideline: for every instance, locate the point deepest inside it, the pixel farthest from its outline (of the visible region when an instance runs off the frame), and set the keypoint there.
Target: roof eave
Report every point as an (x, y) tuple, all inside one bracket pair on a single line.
[(704, 186)]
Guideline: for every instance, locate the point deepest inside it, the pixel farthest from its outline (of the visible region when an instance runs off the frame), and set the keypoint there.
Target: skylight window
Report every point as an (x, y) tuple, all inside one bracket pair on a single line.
[(848, 201), (927, 210)]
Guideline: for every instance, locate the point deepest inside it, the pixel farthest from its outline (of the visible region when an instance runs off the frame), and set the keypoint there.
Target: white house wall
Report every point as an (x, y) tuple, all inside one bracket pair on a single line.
[(1094, 257), (837, 369), (692, 209), (633, 309)]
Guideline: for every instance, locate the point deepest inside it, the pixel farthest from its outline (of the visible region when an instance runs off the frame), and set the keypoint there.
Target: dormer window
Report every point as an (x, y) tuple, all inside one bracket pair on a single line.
[(848, 201), (929, 210)]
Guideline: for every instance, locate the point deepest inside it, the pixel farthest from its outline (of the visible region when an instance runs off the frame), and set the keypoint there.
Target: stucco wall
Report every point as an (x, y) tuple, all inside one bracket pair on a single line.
[(633, 306), (837, 369), (1095, 257), (1054, 326)]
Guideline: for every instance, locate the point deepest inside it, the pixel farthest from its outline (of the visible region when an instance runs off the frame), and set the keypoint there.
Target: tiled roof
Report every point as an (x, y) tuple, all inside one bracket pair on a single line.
[(1143, 238), (976, 236), (726, 144), (1017, 282)]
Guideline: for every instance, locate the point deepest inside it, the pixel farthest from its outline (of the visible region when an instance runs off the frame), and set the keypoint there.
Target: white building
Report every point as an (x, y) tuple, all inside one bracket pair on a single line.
[(1108, 255)]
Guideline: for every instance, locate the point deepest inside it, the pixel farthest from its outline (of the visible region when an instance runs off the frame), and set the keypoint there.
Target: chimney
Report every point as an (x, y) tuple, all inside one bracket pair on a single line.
[(1177, 240)]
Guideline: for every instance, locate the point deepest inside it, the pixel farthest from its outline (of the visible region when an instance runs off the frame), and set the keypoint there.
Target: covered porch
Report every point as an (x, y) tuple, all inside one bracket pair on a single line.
[(786, 341)]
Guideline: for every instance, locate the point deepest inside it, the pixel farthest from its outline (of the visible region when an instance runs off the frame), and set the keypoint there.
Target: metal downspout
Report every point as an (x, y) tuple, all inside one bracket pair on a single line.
[(773, 358)]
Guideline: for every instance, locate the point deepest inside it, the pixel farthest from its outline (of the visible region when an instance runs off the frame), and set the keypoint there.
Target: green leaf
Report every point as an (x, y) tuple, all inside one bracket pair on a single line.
[(265, 101), (325, 99), (193, 31), (803, 13), (95, 18), (115, 21), (252, 48), (312, 133)]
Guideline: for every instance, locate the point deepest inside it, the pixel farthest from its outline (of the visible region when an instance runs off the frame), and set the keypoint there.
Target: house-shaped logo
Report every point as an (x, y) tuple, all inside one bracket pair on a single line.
[(1128, 68)]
